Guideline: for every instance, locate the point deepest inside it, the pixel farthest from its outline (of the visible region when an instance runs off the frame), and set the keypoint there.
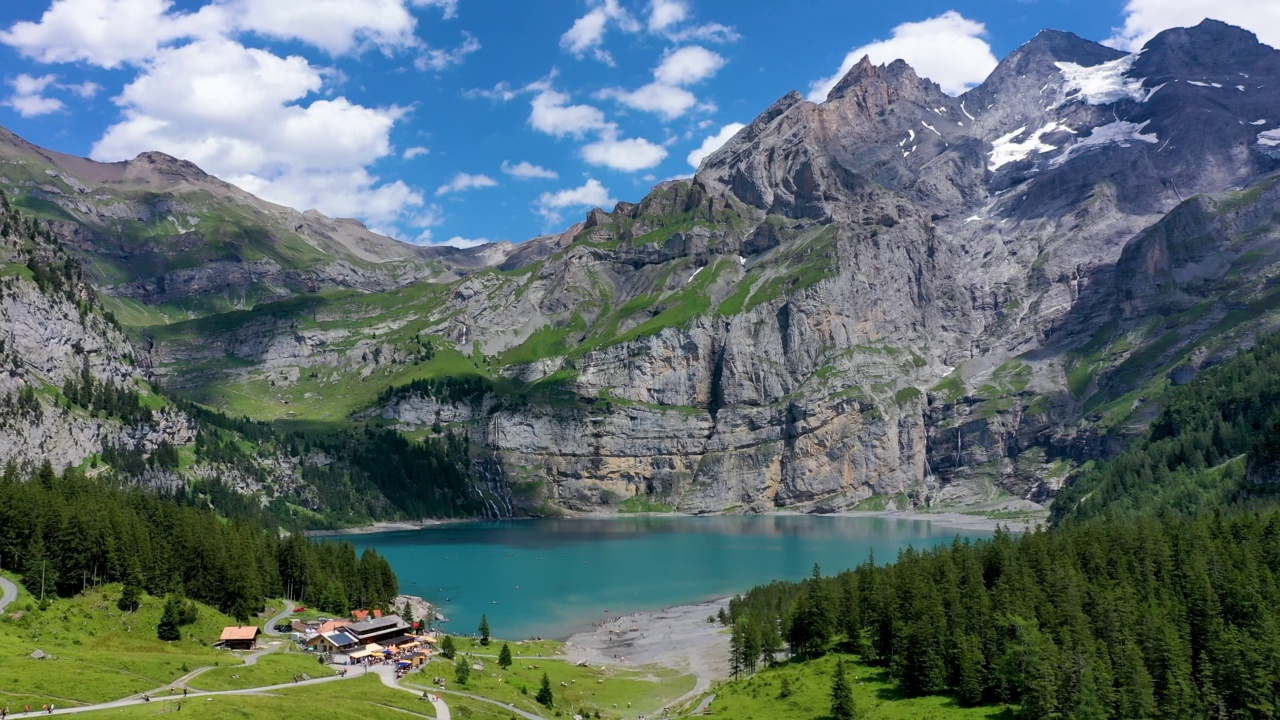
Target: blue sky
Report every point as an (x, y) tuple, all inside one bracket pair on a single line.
[(467, 120)]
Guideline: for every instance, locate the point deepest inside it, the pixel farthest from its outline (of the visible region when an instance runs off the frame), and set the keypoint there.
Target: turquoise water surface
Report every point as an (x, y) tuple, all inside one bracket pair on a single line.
[(551, 578)]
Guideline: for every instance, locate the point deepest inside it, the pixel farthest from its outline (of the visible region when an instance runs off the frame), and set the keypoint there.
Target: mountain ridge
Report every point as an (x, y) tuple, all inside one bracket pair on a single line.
[(895, 292)]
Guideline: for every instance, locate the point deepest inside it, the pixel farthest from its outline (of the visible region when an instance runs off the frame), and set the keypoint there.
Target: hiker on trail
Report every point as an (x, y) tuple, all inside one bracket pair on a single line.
[(184, 692)]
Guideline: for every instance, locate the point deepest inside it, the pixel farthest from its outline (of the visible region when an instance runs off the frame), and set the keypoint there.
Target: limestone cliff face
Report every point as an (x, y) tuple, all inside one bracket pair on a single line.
[(915, 276), (48, 337)]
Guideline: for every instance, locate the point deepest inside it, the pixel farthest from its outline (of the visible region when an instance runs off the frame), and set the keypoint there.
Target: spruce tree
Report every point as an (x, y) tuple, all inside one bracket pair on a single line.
[(544, 696), (462, 671), (484, 629), (132, 595), (168, 627), (504, 657), (447, 648), (406, 613), (842, 705)]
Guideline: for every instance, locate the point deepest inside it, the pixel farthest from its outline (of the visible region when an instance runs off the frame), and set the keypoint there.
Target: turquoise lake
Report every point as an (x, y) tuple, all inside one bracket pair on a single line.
[(551, 578)]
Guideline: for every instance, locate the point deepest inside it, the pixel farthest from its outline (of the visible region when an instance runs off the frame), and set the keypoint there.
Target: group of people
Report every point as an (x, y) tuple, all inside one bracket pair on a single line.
[(26, 710)]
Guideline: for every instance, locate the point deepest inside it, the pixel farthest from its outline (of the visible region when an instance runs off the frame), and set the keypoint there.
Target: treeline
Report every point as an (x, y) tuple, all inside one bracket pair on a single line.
[(469, 389), (65, 532), (1215, 443), (1172, 618)]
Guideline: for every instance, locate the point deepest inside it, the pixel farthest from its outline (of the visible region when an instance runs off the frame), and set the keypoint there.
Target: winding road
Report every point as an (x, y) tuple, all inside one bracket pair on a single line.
[(269, 628), (8, 593)]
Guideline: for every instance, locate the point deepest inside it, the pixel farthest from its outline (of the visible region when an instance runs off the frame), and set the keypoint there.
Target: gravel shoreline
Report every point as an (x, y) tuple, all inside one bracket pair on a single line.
[(676, 637)]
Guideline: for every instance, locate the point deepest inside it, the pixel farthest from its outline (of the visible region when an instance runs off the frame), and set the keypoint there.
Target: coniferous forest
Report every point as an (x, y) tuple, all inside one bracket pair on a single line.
[(1155, 594), (67, 532)]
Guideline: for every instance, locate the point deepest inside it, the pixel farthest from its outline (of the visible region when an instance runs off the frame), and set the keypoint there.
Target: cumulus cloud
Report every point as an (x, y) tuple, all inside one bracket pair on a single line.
[(666, 95), (665, 100), (109, 33), (687, 66), (587, 33), (242, 114), (713, 143), (588, 195), (28, 98), (553, 115), (1144, 18), (626, 155), (665, 13), (947, 49), (525, 170), (415, 151), (466, 181), (461, 242)]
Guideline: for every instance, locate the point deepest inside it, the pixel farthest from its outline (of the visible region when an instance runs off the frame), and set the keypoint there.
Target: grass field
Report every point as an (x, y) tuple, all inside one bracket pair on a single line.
[(633, 692), (97, 653), (271, 669), (759, 697), (363, 698)]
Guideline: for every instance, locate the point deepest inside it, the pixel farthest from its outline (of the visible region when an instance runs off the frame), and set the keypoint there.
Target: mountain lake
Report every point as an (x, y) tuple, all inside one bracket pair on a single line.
[(553, 577)]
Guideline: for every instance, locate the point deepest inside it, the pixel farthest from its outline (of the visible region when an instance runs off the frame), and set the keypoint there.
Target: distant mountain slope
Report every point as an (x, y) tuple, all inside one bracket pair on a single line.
[(893, 293)]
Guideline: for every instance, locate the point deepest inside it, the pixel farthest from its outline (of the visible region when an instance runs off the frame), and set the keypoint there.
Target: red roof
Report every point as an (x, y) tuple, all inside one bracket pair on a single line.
[(360, 614), (239, 632)]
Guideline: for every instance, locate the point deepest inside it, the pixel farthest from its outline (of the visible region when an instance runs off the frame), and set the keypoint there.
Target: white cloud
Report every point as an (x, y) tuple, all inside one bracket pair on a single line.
[(1144, 18), (437, 59), (665, 96), (241, 114), (665, 100), (448, 8), (687, 66), (28, 98), (86, 89), (710, 32), (554, 116), (947, 49), (587, 33), (109, 33), (626, 155), (466, 181), (415, 151), (713, 143), (335, 26), (502, 92), (588, 195), (461, 242), (665, 13), (526, 170)]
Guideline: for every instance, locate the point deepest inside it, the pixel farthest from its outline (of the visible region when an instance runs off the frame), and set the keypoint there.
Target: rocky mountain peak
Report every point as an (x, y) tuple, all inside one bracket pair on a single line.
[(157, 168)]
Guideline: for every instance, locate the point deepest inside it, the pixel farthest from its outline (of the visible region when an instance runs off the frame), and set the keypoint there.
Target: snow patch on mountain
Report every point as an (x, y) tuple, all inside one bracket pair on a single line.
[(1269, 138), (1120, 133), (1101, 84), (1006, 149)]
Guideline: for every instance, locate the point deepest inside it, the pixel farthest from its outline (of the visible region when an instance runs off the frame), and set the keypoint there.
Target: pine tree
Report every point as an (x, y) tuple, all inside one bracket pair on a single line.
[(484, 629), (447, 648), (130, 598), (168, 627), (544, 696), (842, 704), (462, 671), (406, 613), (504, 657)]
